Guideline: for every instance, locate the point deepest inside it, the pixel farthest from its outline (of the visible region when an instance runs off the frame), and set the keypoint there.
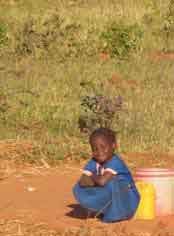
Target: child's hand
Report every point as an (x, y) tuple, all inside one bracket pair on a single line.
[(86, 181)]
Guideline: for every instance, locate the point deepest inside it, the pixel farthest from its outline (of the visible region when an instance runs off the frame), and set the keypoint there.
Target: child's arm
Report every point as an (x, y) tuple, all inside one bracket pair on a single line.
[(101, 180), (89, 169), (86, 181), (91, 180)]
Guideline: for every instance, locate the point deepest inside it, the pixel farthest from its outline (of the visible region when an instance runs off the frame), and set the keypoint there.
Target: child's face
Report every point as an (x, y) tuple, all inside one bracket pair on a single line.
[(102, 149)]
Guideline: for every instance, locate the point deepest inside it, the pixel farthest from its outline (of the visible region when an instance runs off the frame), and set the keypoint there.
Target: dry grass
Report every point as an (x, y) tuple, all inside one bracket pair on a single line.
[(20, 228), (53, 58), (14, 148)]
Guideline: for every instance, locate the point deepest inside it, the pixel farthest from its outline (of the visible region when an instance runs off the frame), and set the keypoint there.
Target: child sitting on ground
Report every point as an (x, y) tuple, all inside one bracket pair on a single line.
[(106, 185)]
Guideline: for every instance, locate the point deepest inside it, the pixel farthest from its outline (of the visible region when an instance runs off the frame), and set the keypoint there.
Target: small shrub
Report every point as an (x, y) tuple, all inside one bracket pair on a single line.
[(31, 37), (99, 111), (3, 34), (49, 35), (167, 30), (120, 40)]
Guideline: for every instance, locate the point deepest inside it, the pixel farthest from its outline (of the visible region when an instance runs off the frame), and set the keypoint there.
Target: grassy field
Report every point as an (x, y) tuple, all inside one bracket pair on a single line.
[(56, 53)]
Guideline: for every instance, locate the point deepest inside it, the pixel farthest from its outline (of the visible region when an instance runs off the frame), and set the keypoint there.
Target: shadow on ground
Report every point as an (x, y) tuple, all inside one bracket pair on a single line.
[(79, 212)]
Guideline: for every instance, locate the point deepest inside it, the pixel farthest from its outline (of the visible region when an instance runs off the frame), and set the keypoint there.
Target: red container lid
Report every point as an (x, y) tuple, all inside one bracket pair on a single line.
[(154, 172)]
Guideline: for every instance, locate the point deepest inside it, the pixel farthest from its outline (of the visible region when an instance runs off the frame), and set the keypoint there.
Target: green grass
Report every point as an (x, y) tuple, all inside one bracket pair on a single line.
[(51, 59)]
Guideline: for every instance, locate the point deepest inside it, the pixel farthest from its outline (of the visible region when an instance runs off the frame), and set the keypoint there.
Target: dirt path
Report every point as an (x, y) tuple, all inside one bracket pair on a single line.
[(46, 196)]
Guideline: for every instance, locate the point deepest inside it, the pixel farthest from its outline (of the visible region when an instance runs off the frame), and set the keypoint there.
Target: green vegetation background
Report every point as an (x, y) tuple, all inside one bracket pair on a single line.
[(53, 54)]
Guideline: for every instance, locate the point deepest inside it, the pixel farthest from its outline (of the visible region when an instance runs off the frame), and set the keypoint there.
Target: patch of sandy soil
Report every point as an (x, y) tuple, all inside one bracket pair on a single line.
[(35, 195)]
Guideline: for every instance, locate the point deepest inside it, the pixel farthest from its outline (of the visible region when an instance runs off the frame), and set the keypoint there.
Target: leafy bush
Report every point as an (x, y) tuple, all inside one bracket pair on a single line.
[(99, 111), (120, 40)]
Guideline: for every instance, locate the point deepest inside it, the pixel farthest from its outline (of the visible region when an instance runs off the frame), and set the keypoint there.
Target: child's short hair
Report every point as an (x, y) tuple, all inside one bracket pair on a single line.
[(105, 132)]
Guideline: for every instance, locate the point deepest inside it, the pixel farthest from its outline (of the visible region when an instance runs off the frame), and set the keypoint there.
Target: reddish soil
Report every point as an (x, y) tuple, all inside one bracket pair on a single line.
[(45, 195), (118, 81), (104, 56), (162, 56)]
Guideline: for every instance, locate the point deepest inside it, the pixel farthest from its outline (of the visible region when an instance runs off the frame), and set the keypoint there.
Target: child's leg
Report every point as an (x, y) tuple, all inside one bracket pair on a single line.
[(94, 198), (123, 203)]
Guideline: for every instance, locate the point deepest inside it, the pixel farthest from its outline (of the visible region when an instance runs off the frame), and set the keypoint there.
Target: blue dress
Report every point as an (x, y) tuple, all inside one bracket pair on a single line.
[(118, 199)]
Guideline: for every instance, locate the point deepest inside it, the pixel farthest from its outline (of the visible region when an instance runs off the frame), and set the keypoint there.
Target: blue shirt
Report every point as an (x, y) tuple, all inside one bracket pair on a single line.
[(115, 165)]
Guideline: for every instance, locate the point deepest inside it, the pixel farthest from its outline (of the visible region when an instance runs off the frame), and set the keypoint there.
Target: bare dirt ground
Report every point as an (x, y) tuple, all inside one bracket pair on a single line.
[(44, 195)]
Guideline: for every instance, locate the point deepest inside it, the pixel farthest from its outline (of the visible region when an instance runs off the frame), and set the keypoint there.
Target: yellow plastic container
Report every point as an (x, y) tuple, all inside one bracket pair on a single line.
[(146, 208)]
